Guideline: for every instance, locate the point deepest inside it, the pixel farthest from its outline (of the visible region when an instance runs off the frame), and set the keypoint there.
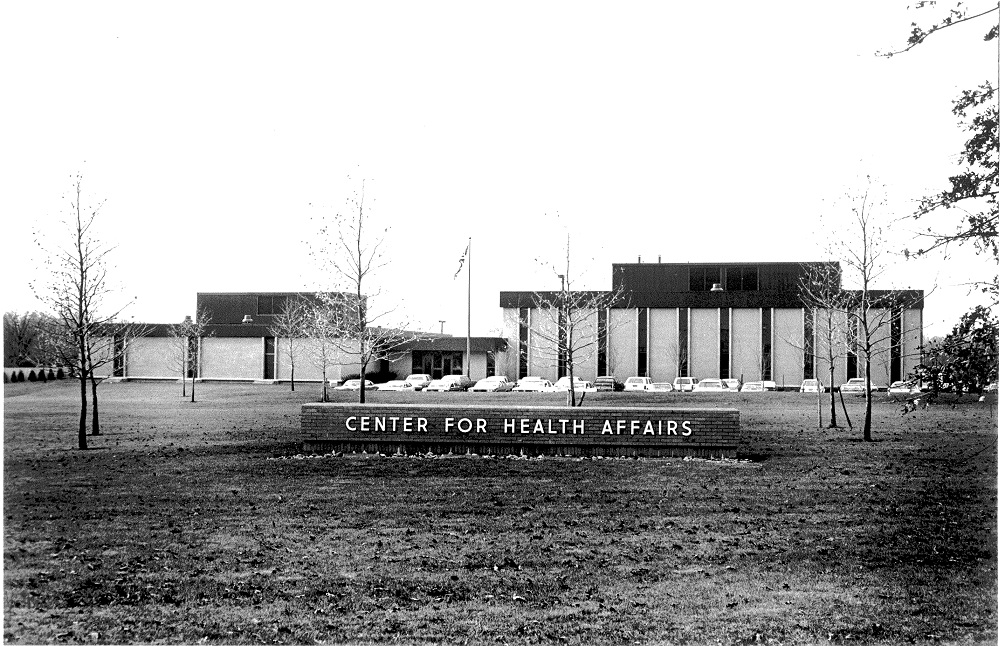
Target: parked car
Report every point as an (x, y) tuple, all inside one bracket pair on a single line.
[(608, 384), (450, 383), (582, 386), (711, 386), (904, 388), (753, 387), (733, 384), (769, 385), (353, 384), (496, 384), (810, 386), (396, 385), (639, 383), (685, 384), (419, 381), (856, 385), (533, 385), (662, 387)]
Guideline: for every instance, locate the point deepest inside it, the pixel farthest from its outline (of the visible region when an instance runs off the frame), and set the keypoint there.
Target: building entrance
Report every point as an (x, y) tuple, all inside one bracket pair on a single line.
[(437, 363)]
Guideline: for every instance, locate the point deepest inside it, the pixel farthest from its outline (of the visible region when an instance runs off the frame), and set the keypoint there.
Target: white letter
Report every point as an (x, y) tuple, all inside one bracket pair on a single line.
[(378, 423), (422, 425), (577, 426), (460, 425), (607, 428), (686, 426), (447, 423), (347, 427), (480, 425), (509, 426)]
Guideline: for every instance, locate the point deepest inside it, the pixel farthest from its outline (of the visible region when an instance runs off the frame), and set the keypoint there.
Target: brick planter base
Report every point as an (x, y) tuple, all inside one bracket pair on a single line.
[(527, 430)]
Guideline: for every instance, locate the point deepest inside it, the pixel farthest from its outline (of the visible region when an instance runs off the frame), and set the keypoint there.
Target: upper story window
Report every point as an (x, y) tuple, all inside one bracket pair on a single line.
[(741, 278), (271, 305), (702, 277)]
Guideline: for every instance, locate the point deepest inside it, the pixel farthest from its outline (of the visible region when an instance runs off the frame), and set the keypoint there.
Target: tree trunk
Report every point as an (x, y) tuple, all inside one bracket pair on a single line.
[(95, 427), (834, 419), (82, 430), (293, 381), (845, 408), (362, 376), (867, 425)]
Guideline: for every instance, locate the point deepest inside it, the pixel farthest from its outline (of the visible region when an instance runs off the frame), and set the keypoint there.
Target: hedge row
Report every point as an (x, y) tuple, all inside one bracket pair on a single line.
[(34, 374)]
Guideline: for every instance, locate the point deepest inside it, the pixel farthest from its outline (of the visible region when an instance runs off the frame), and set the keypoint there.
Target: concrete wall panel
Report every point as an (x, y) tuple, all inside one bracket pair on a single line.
[(622, 349), (787, 347), (745, 344), (663, 356), (704, 333), (232, 358)]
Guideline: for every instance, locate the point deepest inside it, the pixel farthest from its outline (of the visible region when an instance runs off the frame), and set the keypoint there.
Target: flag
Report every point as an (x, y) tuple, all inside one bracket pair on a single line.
[(463, 258)]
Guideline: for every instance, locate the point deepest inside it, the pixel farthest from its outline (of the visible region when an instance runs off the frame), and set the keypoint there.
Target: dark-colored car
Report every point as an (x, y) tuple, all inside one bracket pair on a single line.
[(608, 384)]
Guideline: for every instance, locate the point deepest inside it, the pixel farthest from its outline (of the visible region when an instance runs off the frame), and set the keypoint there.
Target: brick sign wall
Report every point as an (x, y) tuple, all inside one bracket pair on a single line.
[(533, 430)]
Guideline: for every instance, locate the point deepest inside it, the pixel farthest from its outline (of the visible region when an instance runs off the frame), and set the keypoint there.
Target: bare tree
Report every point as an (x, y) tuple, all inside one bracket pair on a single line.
[(322, 326), (354, 259), (290, 325), (571, 336), (821, 293), (870, 311), (77, 289), (184, 353)]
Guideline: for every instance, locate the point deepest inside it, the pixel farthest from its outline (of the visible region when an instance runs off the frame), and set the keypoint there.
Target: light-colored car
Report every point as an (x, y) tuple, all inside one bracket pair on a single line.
[(904, 388), (533, 385), (753, 387), (582, 385), (496, 384), (396, 385), (711, 386), (769, 385), (685, 384), (810, 386), (856, 385), (639, 383), (353, 384), (450, 383), (662, 387), (733, 384), (419, 381)]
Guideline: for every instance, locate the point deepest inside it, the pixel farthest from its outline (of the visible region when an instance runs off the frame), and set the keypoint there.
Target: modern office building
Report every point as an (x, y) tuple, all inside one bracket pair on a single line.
[(727, 320)]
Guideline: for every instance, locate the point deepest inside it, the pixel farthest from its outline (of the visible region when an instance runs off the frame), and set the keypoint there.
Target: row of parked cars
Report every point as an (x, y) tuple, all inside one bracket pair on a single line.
[(501, 383)]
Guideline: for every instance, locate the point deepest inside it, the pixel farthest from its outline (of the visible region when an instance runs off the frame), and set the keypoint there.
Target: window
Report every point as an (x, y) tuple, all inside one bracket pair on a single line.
[(683, 365), (562, 343), (766, 343), (490, 364), (643, 341), (702, 277), (809, 344), (524, 341), (724, 343), (896, 328), (852, 359), (270, 358), (601, 342)]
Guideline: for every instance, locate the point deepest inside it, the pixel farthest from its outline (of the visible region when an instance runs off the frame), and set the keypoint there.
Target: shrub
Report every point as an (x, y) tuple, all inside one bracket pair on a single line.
[(52, 375), (20, 375), (32, 376), (59, 374), (41, 375), (6, 379)]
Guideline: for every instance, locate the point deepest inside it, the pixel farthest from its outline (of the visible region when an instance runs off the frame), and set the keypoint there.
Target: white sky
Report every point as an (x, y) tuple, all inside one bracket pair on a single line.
[(219, 133)]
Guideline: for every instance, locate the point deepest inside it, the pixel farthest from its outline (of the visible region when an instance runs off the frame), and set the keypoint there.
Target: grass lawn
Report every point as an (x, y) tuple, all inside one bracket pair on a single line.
[(184, 523)]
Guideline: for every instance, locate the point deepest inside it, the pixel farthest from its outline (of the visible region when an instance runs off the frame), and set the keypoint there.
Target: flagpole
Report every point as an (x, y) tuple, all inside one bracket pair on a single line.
[(468, 363)]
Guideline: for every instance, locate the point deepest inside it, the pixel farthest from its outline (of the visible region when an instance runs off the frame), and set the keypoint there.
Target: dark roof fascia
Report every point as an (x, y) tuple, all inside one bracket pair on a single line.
[(911, 299)]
